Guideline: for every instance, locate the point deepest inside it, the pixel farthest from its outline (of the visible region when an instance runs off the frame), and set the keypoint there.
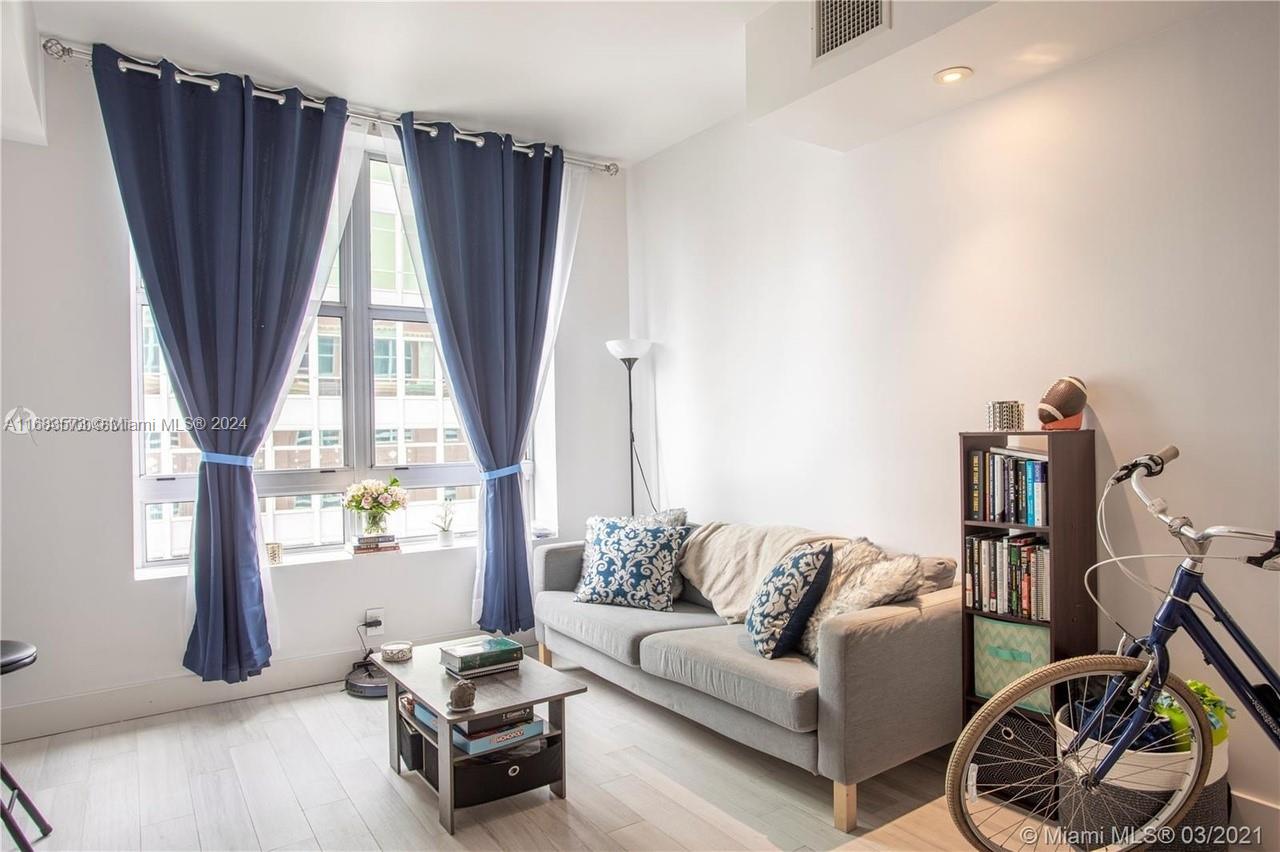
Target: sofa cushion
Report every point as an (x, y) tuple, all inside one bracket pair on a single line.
[(722, 662), (630, 563), (786, 598), (939, 573), (615, 630)]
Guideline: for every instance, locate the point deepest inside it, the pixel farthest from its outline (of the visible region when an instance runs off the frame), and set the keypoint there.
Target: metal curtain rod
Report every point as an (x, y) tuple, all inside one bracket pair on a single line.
[(64, 50)]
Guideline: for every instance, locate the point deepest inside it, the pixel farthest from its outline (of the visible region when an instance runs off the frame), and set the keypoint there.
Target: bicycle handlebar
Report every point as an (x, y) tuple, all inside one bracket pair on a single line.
[(1195, 541)]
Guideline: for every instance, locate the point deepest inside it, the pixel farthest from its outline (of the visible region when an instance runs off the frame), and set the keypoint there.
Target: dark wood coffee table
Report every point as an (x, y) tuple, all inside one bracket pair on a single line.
[(425, 679)]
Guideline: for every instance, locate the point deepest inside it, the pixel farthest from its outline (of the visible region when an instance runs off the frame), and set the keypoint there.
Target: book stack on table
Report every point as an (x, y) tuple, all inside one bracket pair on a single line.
[(385, 543), (486, 733), (478, 657)]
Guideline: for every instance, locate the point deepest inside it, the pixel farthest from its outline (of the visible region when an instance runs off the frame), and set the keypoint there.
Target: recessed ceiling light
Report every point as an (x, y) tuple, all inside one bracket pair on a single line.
[(954, 74)]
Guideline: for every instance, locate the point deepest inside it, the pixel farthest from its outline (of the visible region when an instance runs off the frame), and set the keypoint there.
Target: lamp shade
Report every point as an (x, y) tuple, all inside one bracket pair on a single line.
[(627, 348)]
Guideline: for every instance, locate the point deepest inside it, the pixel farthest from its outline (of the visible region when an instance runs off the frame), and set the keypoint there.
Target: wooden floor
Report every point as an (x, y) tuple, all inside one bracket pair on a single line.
[(308, 770)]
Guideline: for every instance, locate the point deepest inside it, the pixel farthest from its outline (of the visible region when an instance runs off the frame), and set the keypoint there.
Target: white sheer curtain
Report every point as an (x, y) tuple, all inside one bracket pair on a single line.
[(350, 162), (573, 193)]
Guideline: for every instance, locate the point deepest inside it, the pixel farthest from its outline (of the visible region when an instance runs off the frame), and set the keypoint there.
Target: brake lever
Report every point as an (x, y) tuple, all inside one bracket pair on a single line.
[(1270, 560), (1152, 464)]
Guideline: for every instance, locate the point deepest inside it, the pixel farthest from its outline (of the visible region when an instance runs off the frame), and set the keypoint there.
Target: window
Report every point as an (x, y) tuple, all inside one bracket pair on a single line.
[(368, 399)]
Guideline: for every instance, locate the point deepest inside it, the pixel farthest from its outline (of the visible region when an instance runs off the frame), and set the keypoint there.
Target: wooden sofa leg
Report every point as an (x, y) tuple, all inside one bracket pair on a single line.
[(846, 806), (544, 654)]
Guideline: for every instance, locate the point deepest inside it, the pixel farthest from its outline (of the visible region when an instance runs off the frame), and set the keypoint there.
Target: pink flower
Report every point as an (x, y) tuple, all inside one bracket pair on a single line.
[(385, 499), (367, 502)]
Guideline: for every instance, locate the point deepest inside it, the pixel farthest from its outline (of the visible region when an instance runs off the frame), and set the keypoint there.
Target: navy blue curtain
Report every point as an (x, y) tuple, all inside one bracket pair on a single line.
[(487, 217), (226, 196)]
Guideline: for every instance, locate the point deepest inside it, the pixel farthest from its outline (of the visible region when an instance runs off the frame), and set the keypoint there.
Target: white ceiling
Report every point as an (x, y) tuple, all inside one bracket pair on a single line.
[(616, 80)]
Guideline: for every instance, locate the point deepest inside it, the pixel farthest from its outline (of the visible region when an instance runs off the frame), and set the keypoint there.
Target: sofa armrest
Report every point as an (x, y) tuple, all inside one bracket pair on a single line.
[(557, 567), (889, 685)]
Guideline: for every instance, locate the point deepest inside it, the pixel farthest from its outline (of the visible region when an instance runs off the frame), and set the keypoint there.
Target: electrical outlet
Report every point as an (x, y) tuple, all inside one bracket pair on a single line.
[(373, 615)]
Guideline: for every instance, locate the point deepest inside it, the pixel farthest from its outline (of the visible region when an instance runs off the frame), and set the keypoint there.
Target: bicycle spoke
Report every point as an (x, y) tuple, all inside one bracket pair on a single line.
[(1044, 761), (1062, 786), (1006, 802), (1029, 782)]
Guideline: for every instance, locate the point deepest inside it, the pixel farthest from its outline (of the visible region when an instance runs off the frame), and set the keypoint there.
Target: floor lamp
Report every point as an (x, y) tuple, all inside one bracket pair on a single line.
[(629, 352)]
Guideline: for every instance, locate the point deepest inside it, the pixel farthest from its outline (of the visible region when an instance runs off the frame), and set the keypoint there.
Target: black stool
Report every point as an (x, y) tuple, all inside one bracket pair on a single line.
[(14, 656)]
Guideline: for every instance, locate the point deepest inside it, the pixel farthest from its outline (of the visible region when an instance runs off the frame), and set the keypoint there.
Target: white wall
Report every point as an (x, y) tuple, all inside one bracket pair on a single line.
[(825, 324), (111, 647)]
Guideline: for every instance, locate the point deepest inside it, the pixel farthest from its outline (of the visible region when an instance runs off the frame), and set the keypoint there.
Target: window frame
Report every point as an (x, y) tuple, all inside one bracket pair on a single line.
[(357, 312)]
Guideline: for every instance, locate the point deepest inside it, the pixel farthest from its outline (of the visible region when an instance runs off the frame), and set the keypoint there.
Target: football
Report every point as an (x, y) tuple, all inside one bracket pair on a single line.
[(1064, 398)]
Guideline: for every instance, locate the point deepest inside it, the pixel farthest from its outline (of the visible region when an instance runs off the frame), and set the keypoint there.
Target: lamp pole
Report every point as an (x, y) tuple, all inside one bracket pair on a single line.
[(629, 351), (631, 433)]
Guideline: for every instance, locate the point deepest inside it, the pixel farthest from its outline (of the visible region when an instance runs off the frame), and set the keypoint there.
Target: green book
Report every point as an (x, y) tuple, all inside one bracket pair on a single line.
[(480, 653)]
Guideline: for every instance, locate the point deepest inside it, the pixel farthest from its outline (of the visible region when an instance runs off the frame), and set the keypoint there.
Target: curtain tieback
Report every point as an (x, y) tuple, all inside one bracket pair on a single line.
[(225, 458), (509, 470)]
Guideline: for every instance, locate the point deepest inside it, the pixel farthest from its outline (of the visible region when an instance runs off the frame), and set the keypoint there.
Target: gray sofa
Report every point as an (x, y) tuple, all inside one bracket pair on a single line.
[(887, 688)]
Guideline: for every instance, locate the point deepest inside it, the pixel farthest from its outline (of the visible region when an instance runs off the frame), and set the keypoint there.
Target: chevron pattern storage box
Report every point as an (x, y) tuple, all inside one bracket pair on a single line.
[(1003, 652)]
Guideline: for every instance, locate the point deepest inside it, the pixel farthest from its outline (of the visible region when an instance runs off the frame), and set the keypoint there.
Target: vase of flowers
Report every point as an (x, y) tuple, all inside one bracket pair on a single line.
[(374, 500), (444, 524)]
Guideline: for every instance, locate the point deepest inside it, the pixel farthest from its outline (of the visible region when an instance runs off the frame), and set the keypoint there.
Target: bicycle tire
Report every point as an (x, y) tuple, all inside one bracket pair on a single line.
[(1007, 699)]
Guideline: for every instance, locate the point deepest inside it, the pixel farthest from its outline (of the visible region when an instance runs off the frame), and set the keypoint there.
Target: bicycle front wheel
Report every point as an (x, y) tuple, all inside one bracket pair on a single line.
[(1025, 772)]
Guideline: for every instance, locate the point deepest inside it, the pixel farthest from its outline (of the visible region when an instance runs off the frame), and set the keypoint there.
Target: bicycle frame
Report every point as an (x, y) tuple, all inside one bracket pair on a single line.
[(1176, 613)]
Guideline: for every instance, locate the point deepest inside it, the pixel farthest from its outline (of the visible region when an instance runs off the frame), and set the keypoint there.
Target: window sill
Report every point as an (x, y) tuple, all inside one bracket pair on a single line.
[(318, 556)]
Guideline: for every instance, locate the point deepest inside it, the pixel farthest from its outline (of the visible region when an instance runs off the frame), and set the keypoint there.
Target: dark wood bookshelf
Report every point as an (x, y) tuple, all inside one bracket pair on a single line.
[(1002, 525), (1072, 501)]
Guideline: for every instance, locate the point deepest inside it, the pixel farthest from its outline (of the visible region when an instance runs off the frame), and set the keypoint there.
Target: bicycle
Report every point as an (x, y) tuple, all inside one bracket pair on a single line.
[(1125, 747)]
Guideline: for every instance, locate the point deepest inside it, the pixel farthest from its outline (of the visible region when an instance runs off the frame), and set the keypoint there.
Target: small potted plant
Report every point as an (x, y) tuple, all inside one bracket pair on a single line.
[(373, 500), (444, 523)]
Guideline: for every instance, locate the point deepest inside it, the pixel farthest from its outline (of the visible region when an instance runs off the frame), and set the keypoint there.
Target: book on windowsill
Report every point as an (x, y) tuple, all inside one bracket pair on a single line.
[(371, 540), (484, 741), (484, 652), (384, 547)]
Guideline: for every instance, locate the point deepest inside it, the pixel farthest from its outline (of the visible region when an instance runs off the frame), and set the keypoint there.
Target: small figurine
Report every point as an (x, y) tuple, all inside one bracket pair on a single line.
[(462, 696)]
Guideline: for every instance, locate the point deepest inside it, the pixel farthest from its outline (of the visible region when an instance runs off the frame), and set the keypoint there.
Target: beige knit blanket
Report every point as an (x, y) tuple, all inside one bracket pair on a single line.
[(726, 562)]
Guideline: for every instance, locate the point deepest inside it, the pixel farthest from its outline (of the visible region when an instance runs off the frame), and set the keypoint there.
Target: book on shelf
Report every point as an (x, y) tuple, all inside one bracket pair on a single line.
[(484, 741), (1009, 485), (485, 724), (473, 655), (1008, 575)]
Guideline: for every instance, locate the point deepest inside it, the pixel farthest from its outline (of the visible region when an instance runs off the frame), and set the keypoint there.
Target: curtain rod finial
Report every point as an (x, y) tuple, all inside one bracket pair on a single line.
[(55, 48), (611, 169)]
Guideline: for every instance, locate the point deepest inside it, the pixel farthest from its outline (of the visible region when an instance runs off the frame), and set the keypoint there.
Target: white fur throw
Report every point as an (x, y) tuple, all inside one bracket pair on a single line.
[(878, 580)]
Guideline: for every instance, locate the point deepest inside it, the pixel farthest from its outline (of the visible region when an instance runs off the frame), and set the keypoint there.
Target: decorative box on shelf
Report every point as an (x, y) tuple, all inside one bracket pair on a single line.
[(381, 543)]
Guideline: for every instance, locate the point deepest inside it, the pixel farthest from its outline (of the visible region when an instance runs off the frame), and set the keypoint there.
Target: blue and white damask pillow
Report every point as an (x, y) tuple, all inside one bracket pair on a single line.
[(630, 563), (787, 597)]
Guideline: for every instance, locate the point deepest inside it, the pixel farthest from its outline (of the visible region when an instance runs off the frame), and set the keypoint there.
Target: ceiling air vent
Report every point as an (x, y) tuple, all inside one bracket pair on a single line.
[(838, 22)]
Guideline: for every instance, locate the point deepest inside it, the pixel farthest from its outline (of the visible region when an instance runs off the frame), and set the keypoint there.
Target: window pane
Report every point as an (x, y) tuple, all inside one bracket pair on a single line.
[(313, 405), (391, 276), (168, 530), (414, 420), (308, 434), (333, 287), (165, 452), (303, 520), (425, 506)]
